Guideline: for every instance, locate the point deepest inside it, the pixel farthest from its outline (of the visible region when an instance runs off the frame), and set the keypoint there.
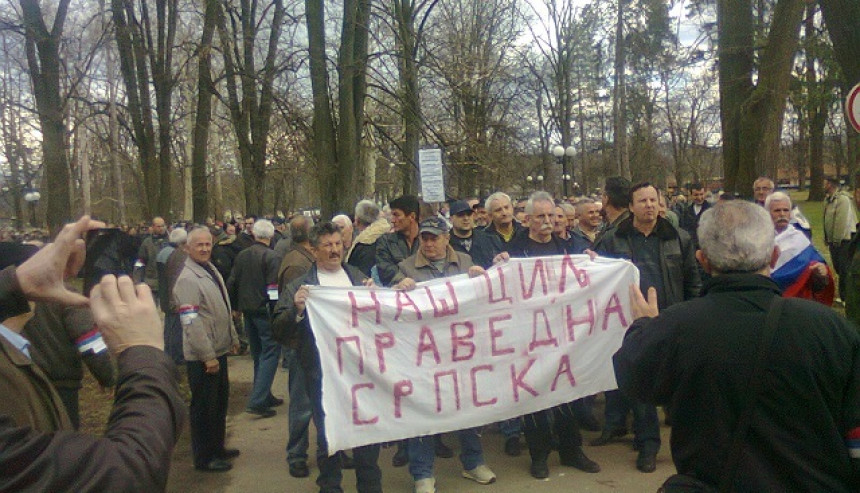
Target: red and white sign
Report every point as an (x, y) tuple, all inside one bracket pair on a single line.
[(852, 107), (462, 352)]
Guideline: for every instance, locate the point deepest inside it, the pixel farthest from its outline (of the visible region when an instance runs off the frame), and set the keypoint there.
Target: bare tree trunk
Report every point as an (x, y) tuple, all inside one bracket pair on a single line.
[(43, 60), (203, 115), (113, 129), (619, 99), (818, 113)]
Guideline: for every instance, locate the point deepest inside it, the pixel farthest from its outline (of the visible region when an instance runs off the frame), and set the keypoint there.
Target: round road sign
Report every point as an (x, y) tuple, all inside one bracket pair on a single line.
[(852, 107)]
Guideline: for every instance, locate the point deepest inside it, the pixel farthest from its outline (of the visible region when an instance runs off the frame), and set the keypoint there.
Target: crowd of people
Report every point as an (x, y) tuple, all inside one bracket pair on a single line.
[(709, 269)]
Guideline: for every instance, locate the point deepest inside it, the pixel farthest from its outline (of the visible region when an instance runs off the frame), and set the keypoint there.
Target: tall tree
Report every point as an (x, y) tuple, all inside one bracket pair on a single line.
[(146, 59), (336, 147), (203, 115), (43, 59), (249, 89), (752, 111)]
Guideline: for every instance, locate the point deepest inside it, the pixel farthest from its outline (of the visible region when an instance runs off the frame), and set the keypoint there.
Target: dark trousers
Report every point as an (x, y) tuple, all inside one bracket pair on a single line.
[(840, 256), (208, 414), (538, 428), (368, 476), (646, 424), (173, 337)]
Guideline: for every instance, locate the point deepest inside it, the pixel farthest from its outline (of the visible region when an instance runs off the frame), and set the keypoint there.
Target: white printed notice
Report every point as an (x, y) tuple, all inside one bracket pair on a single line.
[(432, 179), (461, 352)]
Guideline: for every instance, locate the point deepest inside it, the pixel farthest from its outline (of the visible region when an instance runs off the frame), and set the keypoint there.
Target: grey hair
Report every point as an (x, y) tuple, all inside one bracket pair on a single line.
[(488, 204), (567, 208), (178, 236), (539, 196), (196, 231), (342, 221), (263, 229), (776, 197), (732, 236), (366, 212)]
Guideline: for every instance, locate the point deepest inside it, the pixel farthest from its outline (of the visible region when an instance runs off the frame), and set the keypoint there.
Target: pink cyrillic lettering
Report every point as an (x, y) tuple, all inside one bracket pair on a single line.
[(446, 306), (400, 305), (356, 420), (426, 342), (436, 378), (402, 389), (571, 321), (462, 341), (614, 306), (563, 369), (384, 341), (550, 340), (497, 333), (342, 341), (477, 402), (581, 275), (360, 309), (538, 270), (517, 380), (503, 296)]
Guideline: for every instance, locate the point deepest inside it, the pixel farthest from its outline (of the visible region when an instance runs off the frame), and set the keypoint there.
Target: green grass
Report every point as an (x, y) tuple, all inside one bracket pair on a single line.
[(814, 211)]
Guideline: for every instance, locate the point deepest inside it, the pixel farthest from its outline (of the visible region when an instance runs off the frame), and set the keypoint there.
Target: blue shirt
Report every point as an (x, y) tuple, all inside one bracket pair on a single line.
[(16, 340)]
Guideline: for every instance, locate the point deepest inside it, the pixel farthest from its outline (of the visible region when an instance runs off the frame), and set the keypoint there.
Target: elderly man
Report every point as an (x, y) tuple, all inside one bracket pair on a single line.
[(782, 418), (537, 241), (208, 335), (800, 271), (589, 219), (370, 226), (345, 224), (252, 286), (146, 269), (665, 259), (436, 259), (501, 212), (290, 321)]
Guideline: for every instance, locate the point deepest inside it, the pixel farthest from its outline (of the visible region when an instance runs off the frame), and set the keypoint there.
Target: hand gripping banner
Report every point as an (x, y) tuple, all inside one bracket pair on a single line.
[(462, 352)]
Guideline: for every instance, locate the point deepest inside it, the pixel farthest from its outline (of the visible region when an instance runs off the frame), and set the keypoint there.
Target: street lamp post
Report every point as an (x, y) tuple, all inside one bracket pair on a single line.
[(32, 197), (561, 153)]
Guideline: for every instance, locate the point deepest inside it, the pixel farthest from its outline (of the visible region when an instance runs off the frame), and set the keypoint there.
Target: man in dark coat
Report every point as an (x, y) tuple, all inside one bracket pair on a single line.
[(697, 357), (468, 239)]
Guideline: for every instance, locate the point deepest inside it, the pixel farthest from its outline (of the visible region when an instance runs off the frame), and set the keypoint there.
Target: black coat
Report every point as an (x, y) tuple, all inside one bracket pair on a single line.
[(483, 249), (255, 269), (697, 357)]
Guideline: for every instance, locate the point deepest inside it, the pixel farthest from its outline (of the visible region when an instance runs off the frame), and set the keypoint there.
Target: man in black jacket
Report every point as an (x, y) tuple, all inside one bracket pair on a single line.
[(466, 238), (692, 212), (392, 248), (290, 320), (697, 357), (537, 241), (252, 285), (665, 257)]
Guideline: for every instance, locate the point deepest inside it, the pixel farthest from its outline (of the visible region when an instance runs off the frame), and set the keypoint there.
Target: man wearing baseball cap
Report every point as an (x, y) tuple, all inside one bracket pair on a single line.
[(466, 238)]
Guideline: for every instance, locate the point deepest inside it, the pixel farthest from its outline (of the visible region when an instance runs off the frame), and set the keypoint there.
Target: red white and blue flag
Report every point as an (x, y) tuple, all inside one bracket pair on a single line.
[(792, 270)]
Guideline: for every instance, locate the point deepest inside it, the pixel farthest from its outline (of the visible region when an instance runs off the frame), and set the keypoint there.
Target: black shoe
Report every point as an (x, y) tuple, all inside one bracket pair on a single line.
[(346, 461), (228, 453), (539, 469), (589, 422), (215, 465), (512, 446), (299, 470), (263, 413), (442, 451), (607, 437), (401, 457), (579, 460), (646, 462), (275, 401)]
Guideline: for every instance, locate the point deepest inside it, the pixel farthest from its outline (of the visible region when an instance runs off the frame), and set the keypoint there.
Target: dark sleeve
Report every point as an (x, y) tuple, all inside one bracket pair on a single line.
[(134, 454), (78, 320), (643, 364), (285, 328), (692, 280), (363, 257), (385, 263), (12, 300), (232, 283)]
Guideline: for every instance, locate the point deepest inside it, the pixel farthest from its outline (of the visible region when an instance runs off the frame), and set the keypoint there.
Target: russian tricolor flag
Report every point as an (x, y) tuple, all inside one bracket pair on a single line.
[(792, 273)]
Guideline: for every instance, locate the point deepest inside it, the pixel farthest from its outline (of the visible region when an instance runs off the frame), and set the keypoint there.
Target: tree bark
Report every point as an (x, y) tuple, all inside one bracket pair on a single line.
[(203, 116), (43, 60), (619, 98)]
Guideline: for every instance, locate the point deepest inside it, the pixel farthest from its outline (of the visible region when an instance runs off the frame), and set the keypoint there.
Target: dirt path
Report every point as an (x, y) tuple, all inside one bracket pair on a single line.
[(262, 467)]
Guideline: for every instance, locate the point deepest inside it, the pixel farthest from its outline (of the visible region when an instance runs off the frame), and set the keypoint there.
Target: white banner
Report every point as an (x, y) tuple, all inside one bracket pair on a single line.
[(461, 352)]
